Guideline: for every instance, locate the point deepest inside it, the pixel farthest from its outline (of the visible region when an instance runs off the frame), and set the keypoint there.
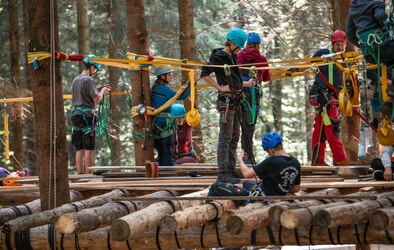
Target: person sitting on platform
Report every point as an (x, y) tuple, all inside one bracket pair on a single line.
[(280, 173)]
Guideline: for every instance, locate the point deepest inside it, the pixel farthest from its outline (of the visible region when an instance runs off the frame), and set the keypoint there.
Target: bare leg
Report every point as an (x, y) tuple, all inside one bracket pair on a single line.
[(79, 160), (89, 160)]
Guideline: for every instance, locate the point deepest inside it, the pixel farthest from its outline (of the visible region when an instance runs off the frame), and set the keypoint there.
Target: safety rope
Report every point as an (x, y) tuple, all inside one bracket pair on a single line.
[(105, 118)]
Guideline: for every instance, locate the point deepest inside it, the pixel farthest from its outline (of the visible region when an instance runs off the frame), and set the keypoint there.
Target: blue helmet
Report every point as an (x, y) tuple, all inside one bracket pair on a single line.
[(253, 37), (238, 37), (271, 140), (87, 61), (178, 110)]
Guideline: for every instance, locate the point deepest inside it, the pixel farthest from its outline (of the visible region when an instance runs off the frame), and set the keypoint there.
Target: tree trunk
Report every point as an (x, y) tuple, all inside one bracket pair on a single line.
[(116, 35), (49, 115), (188, 51), (83, 29), (93, 218), (17, 107), (196, 216), (50, 216), (137, 35)]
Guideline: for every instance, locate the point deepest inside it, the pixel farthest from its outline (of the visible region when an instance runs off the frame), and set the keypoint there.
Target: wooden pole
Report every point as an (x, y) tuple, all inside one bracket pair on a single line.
[(92, 218), (195, 216), (149, 217), (10, 213), (303, 217), (351, 213), (49, 216), (210, 235), (382, 219)]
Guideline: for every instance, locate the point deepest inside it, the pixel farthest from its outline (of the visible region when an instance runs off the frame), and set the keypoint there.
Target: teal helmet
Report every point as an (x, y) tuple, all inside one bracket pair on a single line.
[(87, 62), (161, 70), (238, 37), (271, 140), (178, 110)]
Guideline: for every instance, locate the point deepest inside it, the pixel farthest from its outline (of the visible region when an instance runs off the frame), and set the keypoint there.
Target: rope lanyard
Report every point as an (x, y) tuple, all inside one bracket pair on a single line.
[(105, 118), (337, 92)]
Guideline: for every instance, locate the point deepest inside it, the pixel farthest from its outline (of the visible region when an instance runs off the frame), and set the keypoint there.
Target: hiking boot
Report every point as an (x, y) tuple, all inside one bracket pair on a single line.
[(345, 162), (237, 174), (320, 164), (227, 177), (378, 175)]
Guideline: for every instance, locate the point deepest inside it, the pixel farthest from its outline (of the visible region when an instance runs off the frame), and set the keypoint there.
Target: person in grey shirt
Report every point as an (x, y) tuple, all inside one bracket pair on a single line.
[(84, 96)]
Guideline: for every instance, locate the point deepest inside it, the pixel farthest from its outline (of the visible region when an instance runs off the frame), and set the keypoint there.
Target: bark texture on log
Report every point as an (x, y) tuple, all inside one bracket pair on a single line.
[(248, 207), (351, 213), (92, 218), (10, 213), (303, 217), (211, 235), (49, 216), (149, 217), (382, 219), (196, 216)]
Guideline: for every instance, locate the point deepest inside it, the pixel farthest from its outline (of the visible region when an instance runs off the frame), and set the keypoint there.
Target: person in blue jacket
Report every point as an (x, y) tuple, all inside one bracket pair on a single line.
[(163, 125)]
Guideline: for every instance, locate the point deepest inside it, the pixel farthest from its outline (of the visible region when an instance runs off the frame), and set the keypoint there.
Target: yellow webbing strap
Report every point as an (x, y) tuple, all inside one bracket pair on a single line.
[(153, 111), (6, 138)]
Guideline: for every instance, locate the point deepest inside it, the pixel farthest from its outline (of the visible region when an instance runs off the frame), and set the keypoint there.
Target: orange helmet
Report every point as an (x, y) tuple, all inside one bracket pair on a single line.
[(338, 35)]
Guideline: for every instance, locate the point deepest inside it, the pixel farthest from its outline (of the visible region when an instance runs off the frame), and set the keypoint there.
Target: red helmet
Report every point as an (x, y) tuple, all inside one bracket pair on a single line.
[(338, 35)]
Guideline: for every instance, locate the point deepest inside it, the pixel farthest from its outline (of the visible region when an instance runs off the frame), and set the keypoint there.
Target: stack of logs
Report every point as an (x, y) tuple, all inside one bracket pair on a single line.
[(163, 220)]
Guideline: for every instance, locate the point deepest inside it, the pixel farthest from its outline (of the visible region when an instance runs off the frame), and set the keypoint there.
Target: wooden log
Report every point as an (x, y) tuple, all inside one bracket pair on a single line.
[(260, 217), (248, 207), (92, 218), (195, 216), (211, 235), (350, 213), (49, 216), (382, 218), (150, 217), (303, 217), (10, 213)]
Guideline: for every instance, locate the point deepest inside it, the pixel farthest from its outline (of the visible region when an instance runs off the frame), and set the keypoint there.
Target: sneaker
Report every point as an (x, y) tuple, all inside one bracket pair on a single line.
[(237, 174), (345, 162), (378, 175), (227, 177), (320, 164)]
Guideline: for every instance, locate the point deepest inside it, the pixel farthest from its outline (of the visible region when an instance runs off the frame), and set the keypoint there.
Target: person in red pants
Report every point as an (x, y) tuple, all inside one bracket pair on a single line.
[(327, 122)]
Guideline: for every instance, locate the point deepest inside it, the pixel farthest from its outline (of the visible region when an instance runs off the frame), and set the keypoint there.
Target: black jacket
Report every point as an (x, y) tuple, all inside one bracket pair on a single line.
[(219, 57), (364, 15)]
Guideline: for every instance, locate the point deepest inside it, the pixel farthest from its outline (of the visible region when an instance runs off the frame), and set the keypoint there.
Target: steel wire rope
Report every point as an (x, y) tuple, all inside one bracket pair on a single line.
[(273, 29)]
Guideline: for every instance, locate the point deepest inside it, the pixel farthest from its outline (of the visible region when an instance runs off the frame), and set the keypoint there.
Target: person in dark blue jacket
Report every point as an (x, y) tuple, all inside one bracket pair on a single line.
[(369, 27), (164, 125), (229, 85)]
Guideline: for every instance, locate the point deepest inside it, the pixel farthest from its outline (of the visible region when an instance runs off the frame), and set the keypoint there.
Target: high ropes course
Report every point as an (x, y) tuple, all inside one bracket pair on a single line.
[(351, 63)]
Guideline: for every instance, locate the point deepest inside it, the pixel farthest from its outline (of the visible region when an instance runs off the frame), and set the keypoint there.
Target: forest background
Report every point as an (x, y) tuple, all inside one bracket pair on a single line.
[(290, 29)]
